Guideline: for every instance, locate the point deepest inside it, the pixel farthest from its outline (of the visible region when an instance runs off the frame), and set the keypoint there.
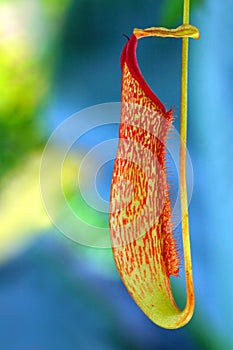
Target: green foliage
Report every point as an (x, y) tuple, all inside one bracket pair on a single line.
[(29, 37), (172, 11)]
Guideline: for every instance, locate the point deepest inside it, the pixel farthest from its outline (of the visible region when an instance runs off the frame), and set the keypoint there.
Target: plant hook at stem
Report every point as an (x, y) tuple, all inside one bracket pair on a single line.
[(146, 262)]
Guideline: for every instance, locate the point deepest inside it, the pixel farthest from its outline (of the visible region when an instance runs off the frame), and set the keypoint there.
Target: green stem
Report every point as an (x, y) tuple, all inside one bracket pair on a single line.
[(186, 11), (183, 142)]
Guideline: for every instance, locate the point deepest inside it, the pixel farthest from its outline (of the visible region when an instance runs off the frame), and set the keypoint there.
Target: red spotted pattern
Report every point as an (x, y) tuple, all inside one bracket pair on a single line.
[(140, 210)]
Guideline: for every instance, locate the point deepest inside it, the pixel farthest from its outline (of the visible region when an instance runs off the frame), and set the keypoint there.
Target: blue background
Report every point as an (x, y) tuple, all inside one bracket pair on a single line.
[(55, 294)]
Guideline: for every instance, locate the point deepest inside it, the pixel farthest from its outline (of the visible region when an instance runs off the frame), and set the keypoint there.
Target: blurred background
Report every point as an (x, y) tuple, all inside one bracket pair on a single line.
[(57, 58)]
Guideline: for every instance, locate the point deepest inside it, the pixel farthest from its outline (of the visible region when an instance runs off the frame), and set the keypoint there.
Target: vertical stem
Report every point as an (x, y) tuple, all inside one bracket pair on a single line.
[(186, 11), (183, 188)]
